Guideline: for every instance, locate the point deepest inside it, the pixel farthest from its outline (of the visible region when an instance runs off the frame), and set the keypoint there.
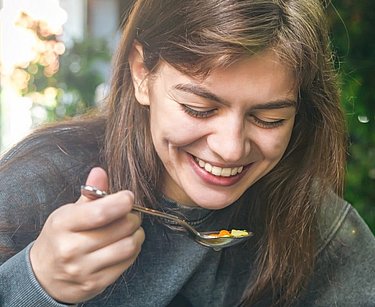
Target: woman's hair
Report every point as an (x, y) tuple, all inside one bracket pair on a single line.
[(197, 36)]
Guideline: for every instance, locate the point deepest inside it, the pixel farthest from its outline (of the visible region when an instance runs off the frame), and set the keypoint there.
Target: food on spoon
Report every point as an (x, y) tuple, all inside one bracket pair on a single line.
[(239, 233), (224, 233), (234, 233)]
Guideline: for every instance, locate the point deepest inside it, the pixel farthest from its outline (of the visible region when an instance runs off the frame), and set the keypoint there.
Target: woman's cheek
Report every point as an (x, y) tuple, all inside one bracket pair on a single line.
[(182, 135), (273, 143), (174, 131)]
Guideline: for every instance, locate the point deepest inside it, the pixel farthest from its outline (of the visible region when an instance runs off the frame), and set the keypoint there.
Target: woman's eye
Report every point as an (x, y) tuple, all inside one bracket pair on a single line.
[(267, 123), (197, 113)]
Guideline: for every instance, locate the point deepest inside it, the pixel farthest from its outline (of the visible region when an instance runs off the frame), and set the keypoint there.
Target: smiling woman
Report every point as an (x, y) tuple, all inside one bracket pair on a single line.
[(228, 119), (238, 118)]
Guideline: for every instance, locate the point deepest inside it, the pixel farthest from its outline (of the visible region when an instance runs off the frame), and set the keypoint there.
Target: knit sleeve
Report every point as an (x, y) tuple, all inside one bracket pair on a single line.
[(37, 176), (18, 285)]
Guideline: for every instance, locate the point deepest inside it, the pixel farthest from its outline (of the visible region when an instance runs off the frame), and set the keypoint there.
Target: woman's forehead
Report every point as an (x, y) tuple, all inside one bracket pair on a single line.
[(259, 78)]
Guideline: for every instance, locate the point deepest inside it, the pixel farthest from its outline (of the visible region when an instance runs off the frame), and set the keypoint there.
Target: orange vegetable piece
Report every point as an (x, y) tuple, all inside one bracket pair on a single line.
[(224, 233)]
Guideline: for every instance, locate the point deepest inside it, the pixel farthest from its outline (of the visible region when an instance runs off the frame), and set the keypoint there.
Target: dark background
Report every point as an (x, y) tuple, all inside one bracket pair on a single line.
[(353, 27)]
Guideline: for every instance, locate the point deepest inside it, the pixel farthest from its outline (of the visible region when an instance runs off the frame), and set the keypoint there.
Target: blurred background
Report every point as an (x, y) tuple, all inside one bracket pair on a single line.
[(55, 60)]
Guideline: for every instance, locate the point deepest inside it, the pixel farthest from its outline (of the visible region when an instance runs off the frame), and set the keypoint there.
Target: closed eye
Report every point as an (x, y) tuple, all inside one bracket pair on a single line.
[(267, 124), (197, 112)]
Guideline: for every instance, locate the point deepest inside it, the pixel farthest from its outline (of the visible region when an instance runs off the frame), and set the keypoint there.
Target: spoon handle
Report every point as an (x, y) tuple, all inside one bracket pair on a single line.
[(168, 216), (94, 193)]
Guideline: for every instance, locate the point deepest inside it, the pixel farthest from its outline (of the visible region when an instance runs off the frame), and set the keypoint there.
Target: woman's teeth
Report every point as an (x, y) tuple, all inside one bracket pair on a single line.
[(219, 171)]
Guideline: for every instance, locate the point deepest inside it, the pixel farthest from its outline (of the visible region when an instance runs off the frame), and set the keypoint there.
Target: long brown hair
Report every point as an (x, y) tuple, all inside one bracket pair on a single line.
[(197, 36)]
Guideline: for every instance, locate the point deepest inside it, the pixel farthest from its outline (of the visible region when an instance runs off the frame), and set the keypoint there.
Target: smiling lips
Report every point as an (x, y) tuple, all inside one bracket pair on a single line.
[(219, 171)]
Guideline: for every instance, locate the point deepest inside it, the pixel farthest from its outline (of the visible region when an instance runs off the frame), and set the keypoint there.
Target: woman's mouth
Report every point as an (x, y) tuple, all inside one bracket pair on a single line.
[(219, 171), (218, 175)]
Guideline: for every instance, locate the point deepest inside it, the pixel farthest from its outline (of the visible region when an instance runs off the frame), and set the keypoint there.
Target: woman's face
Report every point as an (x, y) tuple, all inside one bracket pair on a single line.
[(217, 136)]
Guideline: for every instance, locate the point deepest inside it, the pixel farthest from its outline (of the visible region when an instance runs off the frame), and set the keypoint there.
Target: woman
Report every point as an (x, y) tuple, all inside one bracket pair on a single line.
[(225, 112)]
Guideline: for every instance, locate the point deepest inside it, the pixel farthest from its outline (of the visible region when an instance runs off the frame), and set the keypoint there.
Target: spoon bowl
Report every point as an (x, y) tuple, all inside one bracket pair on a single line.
[(208, 238)]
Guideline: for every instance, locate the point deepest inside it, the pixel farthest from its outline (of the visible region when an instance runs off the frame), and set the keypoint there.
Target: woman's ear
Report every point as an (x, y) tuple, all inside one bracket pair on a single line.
[(139, 74)]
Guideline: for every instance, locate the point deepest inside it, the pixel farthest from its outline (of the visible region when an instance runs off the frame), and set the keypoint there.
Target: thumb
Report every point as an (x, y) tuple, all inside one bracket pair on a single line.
[(97, 178)]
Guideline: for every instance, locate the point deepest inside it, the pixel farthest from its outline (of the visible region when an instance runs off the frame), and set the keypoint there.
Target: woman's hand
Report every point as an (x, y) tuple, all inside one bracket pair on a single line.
[(85, 246)]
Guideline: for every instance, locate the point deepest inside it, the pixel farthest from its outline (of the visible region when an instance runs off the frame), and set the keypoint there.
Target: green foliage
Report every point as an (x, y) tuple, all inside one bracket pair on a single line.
[(353, 24), (61, 84), (82, 69)]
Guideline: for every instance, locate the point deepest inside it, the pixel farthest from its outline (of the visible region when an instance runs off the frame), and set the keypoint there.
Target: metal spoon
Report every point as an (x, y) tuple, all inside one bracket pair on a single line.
[(203, 238)]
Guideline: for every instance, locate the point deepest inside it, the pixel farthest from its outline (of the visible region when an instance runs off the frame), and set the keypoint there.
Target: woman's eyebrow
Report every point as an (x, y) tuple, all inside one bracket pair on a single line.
[(276, 104), (199, 91), (204, 93)]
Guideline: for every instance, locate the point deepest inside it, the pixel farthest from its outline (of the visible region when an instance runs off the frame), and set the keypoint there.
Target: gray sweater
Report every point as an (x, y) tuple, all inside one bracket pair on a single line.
[(171, 269)]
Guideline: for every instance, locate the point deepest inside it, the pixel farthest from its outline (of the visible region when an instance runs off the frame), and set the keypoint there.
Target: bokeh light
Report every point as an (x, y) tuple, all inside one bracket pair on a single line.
[(29, 39)]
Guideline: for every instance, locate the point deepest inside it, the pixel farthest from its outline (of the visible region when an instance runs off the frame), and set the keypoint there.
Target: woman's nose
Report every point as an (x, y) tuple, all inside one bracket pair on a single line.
[(229, 140)]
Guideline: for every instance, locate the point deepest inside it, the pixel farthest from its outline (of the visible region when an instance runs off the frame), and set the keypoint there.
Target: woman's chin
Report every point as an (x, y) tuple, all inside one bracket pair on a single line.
[(214, 203)]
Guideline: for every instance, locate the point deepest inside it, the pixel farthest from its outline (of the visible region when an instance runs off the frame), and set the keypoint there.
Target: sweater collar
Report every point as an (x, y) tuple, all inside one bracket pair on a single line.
[(192, 215)]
